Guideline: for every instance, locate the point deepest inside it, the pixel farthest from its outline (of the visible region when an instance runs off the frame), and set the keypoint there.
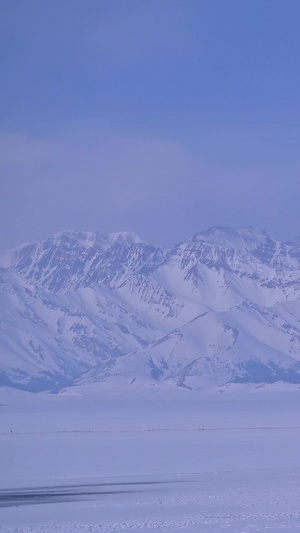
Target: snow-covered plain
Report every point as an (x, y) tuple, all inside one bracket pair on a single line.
[(110, 458)]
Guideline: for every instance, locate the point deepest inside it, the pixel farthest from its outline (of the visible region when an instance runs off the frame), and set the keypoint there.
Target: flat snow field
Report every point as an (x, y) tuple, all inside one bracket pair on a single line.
[(102, 458)]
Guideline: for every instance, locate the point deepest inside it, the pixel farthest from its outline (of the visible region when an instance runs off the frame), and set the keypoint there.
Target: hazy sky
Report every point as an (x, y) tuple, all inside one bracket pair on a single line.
[(162, 117)]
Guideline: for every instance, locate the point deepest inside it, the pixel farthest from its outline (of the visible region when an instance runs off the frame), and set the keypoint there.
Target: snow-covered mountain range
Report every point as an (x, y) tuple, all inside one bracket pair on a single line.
[(81, 307)]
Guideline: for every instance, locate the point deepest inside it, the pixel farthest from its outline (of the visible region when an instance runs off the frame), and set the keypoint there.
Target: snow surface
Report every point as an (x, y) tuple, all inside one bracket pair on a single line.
[(83, 307), (102, 458)]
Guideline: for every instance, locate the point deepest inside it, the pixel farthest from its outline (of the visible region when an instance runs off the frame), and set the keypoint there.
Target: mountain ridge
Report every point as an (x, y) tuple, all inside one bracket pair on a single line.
[(223, 306)]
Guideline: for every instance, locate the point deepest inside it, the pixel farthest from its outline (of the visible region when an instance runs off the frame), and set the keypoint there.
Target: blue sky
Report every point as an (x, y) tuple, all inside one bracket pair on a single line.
[(162, 117)]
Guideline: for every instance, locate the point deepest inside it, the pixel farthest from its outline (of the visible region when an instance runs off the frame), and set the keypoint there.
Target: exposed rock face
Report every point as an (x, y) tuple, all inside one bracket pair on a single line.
[(84, 306)]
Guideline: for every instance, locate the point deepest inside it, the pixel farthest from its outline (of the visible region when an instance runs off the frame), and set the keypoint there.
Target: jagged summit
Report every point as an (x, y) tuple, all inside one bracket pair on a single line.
[(68, 239), (88, 239), (82, 306)]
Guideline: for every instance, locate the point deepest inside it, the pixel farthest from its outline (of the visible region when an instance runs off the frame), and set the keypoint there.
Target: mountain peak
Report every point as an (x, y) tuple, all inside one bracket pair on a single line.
[(95, 306), (240, 239), (125, 236), (92, 239)]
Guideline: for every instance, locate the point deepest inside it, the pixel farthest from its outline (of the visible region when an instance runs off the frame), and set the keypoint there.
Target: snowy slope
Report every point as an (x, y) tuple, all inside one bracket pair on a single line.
[(83, 306)]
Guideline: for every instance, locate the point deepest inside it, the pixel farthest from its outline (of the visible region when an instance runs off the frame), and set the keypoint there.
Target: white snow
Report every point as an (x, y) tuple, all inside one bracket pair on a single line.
[(86, 305), (108, 458)]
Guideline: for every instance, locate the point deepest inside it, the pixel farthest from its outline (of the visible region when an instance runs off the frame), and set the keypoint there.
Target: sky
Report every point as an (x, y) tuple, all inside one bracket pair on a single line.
[(161, 117)]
